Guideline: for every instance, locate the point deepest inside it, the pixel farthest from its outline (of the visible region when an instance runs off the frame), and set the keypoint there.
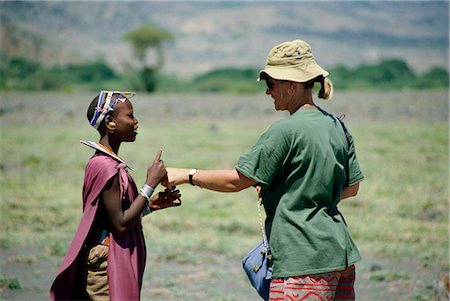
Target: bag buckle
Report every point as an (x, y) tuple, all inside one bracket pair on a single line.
[(255, 268)]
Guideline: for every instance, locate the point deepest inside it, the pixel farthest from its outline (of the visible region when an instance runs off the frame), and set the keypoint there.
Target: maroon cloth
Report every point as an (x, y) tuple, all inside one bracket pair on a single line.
[(127, 254)]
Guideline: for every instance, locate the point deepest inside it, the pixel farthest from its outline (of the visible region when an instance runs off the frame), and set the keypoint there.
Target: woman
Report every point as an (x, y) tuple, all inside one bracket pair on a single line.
[(305, 164)]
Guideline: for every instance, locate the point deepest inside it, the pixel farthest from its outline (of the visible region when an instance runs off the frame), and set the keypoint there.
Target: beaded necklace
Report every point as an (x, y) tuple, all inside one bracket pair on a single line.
[(100, 147)]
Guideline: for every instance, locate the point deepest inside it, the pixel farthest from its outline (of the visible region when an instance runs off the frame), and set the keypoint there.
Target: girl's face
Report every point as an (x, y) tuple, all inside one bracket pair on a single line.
[(278, 90), (126, 123)]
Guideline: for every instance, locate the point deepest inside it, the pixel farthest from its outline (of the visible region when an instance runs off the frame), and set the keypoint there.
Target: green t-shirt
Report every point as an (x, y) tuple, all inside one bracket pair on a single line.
[(301, 162)]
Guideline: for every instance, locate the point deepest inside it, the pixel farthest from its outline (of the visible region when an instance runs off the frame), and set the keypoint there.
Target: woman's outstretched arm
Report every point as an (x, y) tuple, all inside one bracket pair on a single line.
[(216, 180)]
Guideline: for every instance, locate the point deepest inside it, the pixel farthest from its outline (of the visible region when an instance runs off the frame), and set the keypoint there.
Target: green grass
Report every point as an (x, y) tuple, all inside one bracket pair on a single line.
[(404, 197), (400, 214), (11, 283)]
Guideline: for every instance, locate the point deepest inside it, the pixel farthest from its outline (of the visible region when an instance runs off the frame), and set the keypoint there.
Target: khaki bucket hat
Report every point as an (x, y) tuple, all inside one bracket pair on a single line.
[(292, 61)]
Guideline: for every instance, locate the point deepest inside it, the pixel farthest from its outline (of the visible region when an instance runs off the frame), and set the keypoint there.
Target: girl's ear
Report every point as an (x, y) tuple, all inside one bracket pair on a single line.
[(110, 124)]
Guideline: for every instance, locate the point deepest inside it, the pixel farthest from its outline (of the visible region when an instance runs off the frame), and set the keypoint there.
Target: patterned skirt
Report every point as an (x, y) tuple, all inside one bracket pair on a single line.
[(333, 286)]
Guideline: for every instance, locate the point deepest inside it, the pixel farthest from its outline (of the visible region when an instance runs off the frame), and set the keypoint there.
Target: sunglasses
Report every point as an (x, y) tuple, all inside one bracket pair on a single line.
[(269, 83)]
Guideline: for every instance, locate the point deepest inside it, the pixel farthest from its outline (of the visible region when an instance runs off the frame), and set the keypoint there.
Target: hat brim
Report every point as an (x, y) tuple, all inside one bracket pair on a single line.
[(292, 74)]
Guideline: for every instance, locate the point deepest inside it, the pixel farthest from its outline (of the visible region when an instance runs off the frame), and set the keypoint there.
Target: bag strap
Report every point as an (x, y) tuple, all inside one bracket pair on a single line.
[(261, 225), (347, 180), (343, 127)]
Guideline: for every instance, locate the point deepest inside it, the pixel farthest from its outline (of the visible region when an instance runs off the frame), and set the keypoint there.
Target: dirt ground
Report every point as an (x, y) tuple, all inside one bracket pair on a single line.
[(219, 278)]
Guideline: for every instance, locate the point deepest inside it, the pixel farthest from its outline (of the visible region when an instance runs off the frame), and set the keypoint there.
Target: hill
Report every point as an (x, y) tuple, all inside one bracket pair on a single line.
[(217, 34)]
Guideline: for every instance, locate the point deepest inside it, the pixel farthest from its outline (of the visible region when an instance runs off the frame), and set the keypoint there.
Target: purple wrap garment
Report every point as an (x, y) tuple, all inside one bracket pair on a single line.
[(127, 254)]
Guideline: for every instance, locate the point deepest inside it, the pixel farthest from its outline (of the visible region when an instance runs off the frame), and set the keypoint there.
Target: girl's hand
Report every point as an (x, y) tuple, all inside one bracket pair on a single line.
[(165, 199), (156, 172), (258, 190)]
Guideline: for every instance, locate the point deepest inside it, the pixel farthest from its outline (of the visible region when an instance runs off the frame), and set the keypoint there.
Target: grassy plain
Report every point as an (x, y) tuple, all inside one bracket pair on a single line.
[(399, 219)]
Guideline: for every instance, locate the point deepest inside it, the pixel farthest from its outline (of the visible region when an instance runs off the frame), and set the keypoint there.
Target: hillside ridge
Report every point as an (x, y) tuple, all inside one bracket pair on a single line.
[(215, 34)]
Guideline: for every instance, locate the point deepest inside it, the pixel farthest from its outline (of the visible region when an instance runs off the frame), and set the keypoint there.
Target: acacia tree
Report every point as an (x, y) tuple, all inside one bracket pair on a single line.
[(147, 44)]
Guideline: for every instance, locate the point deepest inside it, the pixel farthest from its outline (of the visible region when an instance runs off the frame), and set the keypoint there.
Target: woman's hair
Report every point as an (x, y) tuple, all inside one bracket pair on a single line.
[(326, 89)]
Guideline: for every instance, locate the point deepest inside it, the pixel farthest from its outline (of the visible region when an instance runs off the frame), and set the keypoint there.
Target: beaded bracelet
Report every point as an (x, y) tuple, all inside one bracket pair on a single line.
[(146, 210)]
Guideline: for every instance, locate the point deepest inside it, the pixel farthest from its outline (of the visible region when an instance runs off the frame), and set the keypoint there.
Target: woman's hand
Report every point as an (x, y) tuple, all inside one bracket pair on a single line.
[(156, 172), (176, 176), (258, 190), (165, 199)]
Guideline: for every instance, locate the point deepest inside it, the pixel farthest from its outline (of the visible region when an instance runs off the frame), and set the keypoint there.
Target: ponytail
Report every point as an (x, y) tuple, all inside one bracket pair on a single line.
[(326, 90), (326, 86)]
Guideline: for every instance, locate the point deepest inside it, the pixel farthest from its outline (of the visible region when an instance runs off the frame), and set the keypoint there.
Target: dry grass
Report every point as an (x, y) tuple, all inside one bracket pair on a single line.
[(399, 219)]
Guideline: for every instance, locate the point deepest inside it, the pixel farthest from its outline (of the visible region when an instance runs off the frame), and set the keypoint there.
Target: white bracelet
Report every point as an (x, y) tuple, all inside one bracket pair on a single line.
[(147, 191)]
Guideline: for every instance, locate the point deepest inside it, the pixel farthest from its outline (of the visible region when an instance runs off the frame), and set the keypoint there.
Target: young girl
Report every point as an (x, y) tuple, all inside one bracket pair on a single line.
[(106, 258)]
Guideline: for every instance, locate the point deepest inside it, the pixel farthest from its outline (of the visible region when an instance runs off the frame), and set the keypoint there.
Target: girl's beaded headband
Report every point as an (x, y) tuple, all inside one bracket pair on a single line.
[(105, 105)]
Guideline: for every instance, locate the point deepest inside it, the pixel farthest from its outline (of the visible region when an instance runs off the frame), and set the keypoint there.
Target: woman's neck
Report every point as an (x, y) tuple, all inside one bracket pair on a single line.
[(302, 103), (301, 98)]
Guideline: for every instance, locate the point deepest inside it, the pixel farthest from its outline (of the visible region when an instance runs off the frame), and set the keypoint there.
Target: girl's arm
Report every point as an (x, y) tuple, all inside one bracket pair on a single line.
[(122, 220)]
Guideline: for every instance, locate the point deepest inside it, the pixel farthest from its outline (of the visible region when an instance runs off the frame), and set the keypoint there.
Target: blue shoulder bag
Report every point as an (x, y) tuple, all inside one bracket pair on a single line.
[(257, 263)]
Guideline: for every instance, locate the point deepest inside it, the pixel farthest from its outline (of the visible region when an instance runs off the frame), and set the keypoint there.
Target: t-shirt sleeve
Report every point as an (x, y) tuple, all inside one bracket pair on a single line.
[(263, 162), (354, 170)]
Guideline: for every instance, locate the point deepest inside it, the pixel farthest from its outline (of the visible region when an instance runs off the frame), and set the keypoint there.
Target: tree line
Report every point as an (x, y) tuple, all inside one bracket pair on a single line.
[(24, 75), (23, 72)]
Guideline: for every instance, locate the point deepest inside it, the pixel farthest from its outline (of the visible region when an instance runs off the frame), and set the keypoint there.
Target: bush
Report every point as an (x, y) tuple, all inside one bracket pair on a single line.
[(84, 73), (385, 73), (436, 77), (235, 80), (21, 74), (388, 74), (21, 68)]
